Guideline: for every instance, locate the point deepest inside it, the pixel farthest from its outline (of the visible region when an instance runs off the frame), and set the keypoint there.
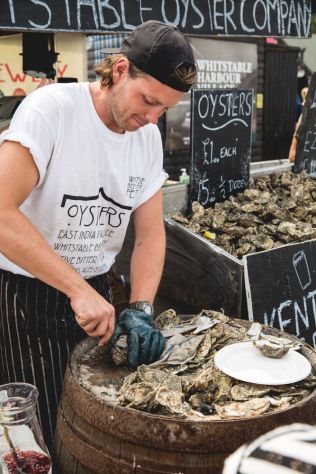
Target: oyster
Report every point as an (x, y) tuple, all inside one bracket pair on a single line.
[(244, 391), (287, 228), (201, 402), (275, 347), (197, 211), (254, 331), (253, 407), (223, 385), (171, 400), (309, 382), (179, 350), (271, 349), (282, 402), (137, 395), (261, 241), (204, 379), (158, 377), (119, 353), (166, 319)]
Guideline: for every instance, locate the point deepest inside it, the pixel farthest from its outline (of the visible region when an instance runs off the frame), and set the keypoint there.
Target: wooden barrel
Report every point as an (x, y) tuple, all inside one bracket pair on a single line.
[(95, 436)]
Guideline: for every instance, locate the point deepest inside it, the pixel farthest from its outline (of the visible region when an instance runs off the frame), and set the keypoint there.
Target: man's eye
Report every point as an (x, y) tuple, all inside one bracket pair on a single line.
[(147, 101)]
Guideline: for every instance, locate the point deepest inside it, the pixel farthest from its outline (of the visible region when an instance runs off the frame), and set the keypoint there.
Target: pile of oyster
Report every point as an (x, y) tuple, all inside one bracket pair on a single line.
[(274, 210), (185, 381)]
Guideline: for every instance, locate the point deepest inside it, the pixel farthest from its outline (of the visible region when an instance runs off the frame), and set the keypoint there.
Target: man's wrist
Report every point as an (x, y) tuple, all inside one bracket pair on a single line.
[(143, 305)]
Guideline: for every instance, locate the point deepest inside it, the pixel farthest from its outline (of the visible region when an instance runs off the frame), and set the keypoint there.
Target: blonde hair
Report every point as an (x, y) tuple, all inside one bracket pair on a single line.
[(105, 69), (185, 74)]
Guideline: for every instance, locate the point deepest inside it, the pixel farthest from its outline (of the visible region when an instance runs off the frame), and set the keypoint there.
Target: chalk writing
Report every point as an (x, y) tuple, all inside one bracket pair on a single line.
[(281, 288), (302, 269), (220, 137), (204, 194), (224, 17), (302, 312)]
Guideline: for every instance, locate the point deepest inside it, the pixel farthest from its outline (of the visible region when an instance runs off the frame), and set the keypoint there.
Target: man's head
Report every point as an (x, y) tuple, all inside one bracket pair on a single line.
[(158, 50), (161, 51), (153, 70)]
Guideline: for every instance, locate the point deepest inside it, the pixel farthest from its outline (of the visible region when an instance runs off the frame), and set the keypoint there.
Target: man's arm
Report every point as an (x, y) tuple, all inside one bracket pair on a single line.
[(145, 341), (149, 249), (23, 244)]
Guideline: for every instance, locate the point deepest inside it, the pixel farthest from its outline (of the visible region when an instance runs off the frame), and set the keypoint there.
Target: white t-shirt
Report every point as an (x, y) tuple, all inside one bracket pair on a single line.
[(91, 179)]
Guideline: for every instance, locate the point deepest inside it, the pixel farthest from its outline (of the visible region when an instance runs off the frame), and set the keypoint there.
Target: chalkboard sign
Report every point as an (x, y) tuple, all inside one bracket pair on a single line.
[(207, 17), (305, 158), (281, 289), (220, 143)]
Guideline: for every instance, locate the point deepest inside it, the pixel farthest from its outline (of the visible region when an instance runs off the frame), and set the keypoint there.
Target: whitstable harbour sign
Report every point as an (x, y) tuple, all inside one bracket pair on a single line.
[(283, 18)]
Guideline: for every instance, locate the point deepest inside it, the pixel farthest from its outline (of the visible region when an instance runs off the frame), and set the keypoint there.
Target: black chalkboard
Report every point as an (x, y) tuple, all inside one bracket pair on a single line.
[(281, 289), (207, 17), (220, 143), (305, 158)]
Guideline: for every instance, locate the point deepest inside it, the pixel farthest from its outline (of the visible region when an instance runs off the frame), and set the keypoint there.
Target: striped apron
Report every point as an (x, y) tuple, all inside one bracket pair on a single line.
[(37, 332)]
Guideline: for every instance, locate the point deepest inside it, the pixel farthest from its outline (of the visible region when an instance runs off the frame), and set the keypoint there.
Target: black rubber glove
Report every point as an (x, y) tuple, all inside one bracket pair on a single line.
[(145, 342)]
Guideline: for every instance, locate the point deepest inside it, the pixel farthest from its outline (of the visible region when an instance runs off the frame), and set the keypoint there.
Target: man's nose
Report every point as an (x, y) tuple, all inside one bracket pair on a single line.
[(153, 116)]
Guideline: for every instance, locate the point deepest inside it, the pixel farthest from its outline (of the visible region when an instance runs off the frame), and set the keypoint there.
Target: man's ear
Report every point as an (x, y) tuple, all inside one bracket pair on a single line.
[(120, 69)]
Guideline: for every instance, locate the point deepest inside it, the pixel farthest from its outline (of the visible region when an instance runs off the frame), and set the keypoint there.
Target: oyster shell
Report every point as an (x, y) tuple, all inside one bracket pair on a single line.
[(166, 319), (119, 353), (253, 407), (245, 391), (271, 349), (171, 400), (137, 395), (275, 347)]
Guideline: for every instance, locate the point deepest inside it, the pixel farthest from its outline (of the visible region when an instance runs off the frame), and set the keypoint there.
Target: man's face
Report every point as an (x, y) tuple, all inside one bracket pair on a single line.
[(136, 102)]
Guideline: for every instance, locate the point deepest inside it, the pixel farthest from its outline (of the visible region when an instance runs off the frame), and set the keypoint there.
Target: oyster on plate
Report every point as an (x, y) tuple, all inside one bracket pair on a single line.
[(275, 347)]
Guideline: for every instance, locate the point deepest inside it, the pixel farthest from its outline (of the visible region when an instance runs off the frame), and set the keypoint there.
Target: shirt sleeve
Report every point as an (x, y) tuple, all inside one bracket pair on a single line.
[(34, 125), (155, 174)]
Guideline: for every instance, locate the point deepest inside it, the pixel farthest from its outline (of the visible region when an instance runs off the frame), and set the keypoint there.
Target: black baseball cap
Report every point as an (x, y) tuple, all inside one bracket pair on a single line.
[(158, 49)]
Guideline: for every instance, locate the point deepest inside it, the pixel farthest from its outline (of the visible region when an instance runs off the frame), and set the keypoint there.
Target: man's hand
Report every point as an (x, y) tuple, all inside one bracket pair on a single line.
[(145, 342), (94, 314)]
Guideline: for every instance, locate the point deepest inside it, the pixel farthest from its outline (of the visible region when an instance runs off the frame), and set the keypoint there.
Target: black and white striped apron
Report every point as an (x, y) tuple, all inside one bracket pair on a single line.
[(37, 332)]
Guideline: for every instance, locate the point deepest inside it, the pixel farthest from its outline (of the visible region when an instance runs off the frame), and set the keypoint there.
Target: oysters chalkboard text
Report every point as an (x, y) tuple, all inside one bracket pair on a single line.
[(281, 289), (220, 143), (213, 17), (305, 158)]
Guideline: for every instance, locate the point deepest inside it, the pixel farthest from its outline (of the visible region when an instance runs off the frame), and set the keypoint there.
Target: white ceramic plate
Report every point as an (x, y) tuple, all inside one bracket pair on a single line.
[(243, 361)]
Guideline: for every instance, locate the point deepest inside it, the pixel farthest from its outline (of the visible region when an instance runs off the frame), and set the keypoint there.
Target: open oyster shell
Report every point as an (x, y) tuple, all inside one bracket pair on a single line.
[(275, 347)]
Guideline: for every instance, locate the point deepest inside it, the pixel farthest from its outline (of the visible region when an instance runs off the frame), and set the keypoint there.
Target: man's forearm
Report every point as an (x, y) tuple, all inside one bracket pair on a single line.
[(146, 266)]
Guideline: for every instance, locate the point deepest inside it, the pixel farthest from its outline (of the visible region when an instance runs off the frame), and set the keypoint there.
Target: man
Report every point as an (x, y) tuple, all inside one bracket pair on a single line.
[(77, 161)]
